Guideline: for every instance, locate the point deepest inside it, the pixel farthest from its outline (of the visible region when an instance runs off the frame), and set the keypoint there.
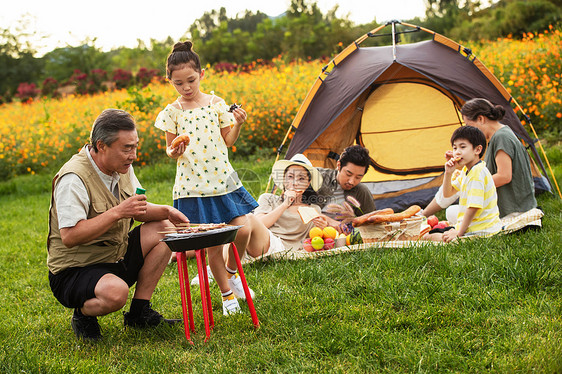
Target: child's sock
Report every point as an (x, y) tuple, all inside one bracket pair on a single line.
[(230, 271), (228, 295)]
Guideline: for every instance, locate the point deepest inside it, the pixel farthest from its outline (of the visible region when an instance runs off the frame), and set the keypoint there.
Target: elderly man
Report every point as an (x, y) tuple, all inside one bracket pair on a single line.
[(345, 181), (93, 255)]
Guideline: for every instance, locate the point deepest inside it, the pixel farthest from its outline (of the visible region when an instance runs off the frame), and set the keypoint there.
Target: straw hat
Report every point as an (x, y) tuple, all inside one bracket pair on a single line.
[(278, 171)]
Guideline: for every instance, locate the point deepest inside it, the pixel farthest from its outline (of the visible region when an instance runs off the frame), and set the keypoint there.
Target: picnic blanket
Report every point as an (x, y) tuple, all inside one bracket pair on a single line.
[(532, 218)]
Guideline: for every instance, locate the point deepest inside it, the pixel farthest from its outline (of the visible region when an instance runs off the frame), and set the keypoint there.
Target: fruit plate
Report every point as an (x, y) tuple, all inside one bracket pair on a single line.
[(196, 240)]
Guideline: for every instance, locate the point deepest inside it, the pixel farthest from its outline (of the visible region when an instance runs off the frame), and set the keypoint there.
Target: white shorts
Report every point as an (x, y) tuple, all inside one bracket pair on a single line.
[(275, 245), (452, 213)]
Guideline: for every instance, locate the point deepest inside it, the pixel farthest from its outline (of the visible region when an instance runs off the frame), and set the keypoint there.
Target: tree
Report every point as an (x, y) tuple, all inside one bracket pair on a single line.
[(442, 15), (61, 62), (506, 17), (17, 61), (248, 22), (300, 7), (265, 43), (209, 22), (518, 17), (143, 56)]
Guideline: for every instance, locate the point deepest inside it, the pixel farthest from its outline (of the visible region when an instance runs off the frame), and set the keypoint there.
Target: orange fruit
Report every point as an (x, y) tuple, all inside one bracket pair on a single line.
[(330, 232), (316, 231), (348, 240)]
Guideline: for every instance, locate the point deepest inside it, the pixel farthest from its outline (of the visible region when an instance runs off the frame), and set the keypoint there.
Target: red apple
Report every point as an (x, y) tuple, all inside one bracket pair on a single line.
[(441, 225), (329, 243), (432, 221), (307, 246)]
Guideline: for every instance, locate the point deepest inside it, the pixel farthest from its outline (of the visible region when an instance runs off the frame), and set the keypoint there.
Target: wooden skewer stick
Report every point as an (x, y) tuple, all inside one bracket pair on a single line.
[(180, 227)]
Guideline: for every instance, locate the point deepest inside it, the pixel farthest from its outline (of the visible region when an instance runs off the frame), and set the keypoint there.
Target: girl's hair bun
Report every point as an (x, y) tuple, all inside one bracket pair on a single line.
[(183, 47), (182, 54)]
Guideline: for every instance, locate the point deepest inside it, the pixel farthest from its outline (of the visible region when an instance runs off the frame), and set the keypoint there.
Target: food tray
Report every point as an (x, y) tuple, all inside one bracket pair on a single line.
[(408, 229), (197, 240)]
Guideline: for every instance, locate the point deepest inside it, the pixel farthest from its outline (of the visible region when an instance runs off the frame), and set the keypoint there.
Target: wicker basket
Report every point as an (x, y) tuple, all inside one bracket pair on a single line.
[(408, 229)]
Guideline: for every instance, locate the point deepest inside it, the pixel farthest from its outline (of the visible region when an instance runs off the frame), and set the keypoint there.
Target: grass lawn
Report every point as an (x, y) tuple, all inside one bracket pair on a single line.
[(488, 305)]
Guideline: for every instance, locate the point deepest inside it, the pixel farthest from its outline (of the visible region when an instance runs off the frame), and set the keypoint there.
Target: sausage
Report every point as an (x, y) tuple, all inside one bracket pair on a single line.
[(361, 220), (182, 138), (396, 217)]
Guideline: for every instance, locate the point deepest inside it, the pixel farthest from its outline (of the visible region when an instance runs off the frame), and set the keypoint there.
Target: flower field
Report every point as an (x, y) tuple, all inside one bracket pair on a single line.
[(43, 134), (531, 71)]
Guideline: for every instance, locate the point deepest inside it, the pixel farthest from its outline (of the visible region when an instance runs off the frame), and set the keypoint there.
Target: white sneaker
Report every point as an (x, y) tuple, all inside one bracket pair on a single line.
[(173, 258), (195, 280), (230, 306), (235, 284)]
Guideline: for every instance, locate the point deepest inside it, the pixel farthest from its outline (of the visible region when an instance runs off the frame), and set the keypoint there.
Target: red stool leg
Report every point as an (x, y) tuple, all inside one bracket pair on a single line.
[(180, 256), (245, 286), (203, 285), (206, 277), (188, 292)]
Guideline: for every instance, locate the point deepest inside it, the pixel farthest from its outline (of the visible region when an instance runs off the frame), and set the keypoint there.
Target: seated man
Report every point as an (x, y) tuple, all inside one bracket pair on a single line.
[(93, 256), (345, 181)]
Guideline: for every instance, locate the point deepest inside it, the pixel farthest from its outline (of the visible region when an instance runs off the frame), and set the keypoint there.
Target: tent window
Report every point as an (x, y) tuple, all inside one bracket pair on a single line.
[(408, 126)]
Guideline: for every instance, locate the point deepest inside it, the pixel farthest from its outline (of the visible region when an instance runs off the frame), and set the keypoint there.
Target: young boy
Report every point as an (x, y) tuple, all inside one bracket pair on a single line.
[(478, 214)]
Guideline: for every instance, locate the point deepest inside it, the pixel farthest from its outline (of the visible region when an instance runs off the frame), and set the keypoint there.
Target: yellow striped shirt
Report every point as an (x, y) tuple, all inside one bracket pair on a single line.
[(477, 190)]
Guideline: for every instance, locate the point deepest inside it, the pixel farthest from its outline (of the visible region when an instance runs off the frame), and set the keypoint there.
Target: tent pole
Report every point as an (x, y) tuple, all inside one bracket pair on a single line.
[(546, 160), (547, 163), (393, 41), (541, 148), (278, 154)]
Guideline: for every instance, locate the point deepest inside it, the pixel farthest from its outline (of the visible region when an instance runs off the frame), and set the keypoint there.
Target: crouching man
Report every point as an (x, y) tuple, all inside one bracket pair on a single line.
[(93, 255)]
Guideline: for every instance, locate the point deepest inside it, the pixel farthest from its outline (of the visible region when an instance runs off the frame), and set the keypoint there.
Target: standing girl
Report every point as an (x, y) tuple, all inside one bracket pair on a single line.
[(206, 189)]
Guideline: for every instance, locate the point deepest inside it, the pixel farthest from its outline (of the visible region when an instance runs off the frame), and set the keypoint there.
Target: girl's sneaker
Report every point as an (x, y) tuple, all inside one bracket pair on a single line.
[(195, 280), (235, 284), (230, 306)]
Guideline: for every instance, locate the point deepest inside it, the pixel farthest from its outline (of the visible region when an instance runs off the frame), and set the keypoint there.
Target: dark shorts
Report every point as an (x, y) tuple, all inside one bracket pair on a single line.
[(73, 286), (441, 231)]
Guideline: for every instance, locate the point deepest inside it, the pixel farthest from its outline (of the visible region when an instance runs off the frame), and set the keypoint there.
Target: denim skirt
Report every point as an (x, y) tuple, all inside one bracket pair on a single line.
[(217, 209)]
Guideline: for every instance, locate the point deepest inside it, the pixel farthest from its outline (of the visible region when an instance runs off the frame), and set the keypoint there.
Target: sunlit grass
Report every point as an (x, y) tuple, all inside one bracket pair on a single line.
[(483, 305)]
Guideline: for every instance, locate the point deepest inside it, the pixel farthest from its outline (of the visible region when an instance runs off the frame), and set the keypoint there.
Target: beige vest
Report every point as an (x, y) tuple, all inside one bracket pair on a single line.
[(108, 247)]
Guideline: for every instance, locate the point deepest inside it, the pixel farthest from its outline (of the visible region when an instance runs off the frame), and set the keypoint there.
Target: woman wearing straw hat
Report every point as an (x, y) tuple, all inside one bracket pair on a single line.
[(276, 224), (299, 181)]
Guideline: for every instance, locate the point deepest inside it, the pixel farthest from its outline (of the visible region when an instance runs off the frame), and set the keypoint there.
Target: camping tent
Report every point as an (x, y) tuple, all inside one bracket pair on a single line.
[(402, 102)]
